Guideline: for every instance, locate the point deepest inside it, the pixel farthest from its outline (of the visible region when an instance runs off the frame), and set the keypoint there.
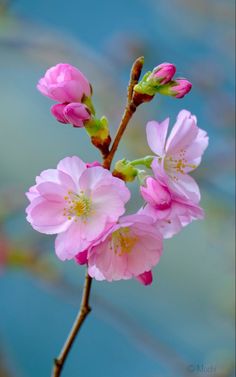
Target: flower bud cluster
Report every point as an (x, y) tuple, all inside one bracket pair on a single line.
[(161, 80), (66, 84)]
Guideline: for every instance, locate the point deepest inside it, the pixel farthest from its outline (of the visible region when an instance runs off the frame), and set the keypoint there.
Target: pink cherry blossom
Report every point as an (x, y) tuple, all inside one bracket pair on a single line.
[(180, 153), (170, 212), (162, 74), (128, 249), (64, 83), (77, 203)]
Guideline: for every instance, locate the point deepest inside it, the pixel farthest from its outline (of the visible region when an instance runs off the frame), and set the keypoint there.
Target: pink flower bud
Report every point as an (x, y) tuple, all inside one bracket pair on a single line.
[(82, 257), (64, 83), (156, 194), (145, 278), (92, 164), (180, 88), (162, 74), (76, 114), (58, 112)]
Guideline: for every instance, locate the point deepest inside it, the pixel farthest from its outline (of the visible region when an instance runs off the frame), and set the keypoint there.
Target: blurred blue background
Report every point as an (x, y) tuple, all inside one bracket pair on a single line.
[(183, 325)]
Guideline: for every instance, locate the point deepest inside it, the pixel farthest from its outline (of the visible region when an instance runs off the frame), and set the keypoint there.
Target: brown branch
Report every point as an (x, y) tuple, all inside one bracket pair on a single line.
[(84, 311), (130, 109)]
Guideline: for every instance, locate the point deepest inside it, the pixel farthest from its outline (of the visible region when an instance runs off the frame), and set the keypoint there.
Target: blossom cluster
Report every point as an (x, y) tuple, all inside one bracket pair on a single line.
[(84, 203), (68, 86), (161, 80)]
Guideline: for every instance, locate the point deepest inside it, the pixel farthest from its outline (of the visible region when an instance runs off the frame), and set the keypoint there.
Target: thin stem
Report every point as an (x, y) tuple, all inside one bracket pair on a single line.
[(129, 110), (146, 161), (84, 311)]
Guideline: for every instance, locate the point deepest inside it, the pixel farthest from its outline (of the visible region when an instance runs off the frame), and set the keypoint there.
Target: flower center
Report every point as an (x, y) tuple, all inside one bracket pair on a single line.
[(123, 241), (177, 164), (77, 205)]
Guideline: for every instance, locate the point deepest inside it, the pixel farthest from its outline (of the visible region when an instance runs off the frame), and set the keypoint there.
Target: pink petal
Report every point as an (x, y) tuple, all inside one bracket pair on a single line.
[(183, 114), (69, 91), (42, 87), (156, 135), (52, 192), (76, 114), (154, 213), (182, 213), (156, 194), (69, 243), (94, 226), (182, 135), (47, 216), (58, 112), (135, 218), (186, 186), (107, 200), (169, 228), (95, 273), (57, 177), (73, 166), (50, 175), (32, 193), (159, 172), (94, 177), (195, 151), (147, 252)]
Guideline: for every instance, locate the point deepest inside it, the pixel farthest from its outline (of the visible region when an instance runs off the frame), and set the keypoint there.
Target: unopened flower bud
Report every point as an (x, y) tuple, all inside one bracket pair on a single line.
[(177, 88), (82, 257), (125, 171), (92, 164), (77, 114), (64, 83), (145, 278), (152, 81), (162, 74), (181, 88), (155, 194), (58, 112)]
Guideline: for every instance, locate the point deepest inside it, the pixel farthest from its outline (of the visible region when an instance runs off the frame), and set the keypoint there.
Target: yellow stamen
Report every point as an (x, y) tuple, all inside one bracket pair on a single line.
[(177, 165), (78, 205), (123, 241), (80, 208)]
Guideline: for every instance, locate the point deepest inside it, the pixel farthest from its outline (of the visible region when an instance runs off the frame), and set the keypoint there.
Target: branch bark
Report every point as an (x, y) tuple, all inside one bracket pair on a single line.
[(130, 109), (84, 311)]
